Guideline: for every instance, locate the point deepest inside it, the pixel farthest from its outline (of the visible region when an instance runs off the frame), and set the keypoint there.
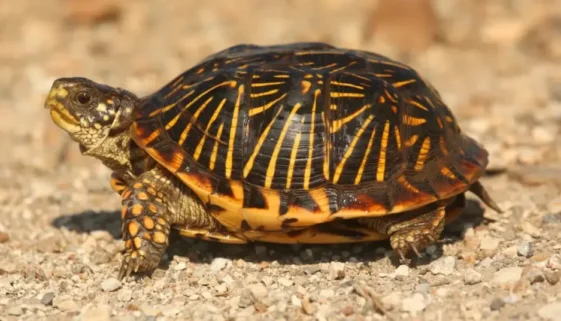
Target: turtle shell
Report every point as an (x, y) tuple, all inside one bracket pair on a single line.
[(277, 138)]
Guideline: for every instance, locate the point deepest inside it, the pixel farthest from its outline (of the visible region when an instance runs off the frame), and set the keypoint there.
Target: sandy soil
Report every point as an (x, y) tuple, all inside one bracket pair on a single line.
[(497, 64)]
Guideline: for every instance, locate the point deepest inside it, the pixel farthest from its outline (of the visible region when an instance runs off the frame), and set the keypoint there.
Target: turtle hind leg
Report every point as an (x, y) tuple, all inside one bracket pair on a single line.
[(411, 231)]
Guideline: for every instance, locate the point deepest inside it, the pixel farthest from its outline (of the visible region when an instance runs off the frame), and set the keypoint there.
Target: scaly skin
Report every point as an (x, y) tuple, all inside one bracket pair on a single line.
[(99, 117)]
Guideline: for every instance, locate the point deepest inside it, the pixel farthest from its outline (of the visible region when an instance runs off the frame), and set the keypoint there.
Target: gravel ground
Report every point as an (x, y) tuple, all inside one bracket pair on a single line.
[(497, 64)]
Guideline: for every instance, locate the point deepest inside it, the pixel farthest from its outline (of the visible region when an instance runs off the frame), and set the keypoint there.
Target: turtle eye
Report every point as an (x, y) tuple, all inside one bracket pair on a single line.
[(83, 98)]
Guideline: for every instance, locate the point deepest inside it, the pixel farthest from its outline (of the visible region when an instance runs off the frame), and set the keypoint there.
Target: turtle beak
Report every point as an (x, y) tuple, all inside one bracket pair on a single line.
[(55, 102)]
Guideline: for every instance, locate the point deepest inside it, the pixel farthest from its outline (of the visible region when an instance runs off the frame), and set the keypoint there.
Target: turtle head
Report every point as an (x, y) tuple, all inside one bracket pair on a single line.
[(89, 111)]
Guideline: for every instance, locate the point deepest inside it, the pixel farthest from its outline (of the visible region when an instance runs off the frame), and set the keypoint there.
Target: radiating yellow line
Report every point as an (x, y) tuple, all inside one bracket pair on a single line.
[(233, 128), (443, 146), (308, 170), (349, 151), (199, 149), (413, 121), (345, 95), (403, 181), (342, 67), (257, 110), (389, 96), (411, 141), (212, 161), (266, 84), (293, 155), (365, 157), (170, 106), (265, 93), (185, 133), (403, 83), (346, 84), (276, 151), (423, 153), (337, 124), (417, 104), (381, 170), (447, 172), (397, 137), (260, 141), (326, 66), (306, 86)]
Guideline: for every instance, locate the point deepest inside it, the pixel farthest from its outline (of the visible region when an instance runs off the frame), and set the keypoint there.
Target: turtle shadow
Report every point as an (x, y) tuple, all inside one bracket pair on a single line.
[(200, 251)]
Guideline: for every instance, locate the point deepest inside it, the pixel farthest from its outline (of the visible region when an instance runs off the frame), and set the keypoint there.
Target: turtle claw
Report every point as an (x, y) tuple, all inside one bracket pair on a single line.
[(128, 266), (410, 241)]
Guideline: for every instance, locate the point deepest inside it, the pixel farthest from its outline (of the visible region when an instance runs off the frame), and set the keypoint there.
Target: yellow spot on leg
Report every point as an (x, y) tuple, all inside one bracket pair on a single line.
[(142, 196), (137, 242), (133, 228), (160, 238), (136, 209), (148, 223)]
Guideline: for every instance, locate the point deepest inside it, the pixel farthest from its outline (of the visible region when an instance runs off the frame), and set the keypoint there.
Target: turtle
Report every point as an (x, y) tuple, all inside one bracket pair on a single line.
[(302, 142)]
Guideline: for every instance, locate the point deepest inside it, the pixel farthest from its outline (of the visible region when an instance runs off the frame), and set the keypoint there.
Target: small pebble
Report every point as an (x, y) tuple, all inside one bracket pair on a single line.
[(489, 243), (525, 249), (125, 295), (391, 300), (15, 311), (554, 262), (246, 299), (285, 282), (497, 304), (47, 298), (219, 263), (180, 266), (326, 293), (551, 311), (414, 303), (443, 265), (530, 229), (534, 275), (337, 270), (258, 291), (422, 288), (507, 276), (471, 277), (110, 285), (99, 313), (67, 306), (402, 270), (552, 277)]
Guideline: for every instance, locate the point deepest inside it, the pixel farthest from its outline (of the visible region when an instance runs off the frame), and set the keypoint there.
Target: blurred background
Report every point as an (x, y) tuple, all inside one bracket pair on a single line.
[(496, 62)]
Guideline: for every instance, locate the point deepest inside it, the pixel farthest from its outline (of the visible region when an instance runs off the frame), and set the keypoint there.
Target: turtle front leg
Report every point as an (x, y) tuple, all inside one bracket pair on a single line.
[(146, 225), (411, 231), (153, 203)]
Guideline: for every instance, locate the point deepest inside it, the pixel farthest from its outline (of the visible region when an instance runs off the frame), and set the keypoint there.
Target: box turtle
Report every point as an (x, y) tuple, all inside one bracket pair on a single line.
[(291, 143)]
